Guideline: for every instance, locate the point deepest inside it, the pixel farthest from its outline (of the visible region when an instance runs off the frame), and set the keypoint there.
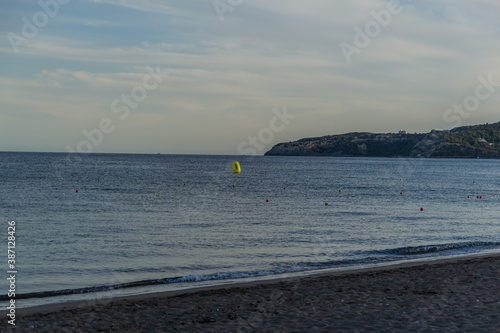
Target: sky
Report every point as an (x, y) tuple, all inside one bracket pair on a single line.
[(238, 76)]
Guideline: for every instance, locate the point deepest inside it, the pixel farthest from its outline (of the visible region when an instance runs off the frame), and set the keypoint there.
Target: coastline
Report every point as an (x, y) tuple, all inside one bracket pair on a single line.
[(452, 143), (328, 299)]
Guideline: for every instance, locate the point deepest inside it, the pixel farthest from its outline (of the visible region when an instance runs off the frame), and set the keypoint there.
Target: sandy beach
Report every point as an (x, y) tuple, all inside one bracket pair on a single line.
[(458, 295)]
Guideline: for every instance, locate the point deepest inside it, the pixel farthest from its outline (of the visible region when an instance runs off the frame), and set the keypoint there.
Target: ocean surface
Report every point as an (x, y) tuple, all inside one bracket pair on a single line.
[(100, 225)]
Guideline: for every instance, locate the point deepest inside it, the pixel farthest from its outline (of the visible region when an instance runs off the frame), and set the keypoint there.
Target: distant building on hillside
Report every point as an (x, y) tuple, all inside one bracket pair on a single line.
[(403, 132)]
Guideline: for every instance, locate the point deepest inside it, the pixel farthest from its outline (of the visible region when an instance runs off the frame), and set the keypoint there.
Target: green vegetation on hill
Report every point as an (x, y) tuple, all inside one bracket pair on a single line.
[(479, 136)]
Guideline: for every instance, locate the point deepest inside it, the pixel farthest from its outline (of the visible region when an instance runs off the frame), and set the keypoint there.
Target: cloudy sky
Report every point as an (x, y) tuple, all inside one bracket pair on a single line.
[(72, 67)]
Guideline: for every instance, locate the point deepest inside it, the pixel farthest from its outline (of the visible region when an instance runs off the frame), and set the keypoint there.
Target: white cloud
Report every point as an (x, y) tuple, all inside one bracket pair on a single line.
[(264, 55)]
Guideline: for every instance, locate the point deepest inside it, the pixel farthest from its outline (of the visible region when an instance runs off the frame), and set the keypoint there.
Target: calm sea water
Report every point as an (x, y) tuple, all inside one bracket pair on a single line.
[(140, 223)]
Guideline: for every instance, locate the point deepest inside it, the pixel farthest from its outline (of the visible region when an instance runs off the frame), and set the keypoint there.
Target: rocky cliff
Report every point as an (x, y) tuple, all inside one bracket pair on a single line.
[(463, 142)]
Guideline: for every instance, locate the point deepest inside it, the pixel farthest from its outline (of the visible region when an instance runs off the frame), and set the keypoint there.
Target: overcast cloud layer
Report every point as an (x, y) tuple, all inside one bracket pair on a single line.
[(223, 74)]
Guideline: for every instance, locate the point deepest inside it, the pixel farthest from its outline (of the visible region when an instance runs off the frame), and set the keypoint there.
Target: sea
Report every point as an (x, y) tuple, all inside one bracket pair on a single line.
[(93, 226)]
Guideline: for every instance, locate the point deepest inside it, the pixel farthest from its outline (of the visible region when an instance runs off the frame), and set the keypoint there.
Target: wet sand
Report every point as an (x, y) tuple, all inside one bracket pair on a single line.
[(458, 295)]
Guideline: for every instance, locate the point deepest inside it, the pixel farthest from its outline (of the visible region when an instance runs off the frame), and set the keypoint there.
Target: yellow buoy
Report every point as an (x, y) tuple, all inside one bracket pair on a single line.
[(326, 203), (236, 167)]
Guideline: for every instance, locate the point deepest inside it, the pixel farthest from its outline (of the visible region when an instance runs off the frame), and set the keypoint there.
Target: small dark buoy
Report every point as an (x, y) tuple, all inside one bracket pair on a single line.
[(480, 197), (184, 184), (284, 188), (98, 180), (421, 209), (76, 191), (326, 203), (401, 193), (267, 200)]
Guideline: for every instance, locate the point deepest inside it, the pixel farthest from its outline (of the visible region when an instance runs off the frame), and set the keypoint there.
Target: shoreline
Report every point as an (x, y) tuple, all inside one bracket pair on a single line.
[(244, 282), (265, 280), (457, 284)]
